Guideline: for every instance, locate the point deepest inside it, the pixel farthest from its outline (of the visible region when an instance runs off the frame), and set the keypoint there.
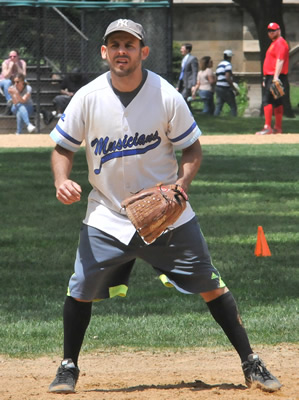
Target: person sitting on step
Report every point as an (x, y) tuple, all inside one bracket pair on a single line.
[(22, 103)]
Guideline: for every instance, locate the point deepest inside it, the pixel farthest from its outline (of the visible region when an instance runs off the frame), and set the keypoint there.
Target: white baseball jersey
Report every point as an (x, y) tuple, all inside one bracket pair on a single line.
[(127, 148)]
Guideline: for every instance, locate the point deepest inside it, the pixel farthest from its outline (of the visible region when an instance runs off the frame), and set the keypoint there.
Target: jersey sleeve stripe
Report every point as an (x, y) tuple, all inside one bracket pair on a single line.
[(68, 137), (192, 127), (190, 141), (58, 140)]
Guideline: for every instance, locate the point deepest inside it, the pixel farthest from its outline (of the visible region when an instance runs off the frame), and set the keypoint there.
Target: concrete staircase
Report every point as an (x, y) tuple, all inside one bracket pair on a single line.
[(49, 88)]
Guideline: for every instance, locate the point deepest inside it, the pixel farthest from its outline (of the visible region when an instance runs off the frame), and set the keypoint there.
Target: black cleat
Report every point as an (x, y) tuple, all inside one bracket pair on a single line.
[(66, 378), (257, 374)]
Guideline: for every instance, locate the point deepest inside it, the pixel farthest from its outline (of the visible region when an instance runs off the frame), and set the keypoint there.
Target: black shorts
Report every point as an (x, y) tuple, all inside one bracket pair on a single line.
[(267, 95), (180, 257)]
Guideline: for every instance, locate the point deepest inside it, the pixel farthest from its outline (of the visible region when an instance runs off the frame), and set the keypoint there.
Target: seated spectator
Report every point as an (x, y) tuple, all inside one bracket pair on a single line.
[(69, 86), (206, 84), (22, 103), (10, 68)]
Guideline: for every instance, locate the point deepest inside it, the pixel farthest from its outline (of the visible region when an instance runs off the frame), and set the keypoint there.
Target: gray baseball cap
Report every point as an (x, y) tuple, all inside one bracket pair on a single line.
[(126, 25)]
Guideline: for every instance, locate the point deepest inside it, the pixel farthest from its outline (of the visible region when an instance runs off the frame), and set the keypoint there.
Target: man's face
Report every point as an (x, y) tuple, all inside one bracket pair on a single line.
[(183, 51), (124, 53), (13, 56), (273, 35)]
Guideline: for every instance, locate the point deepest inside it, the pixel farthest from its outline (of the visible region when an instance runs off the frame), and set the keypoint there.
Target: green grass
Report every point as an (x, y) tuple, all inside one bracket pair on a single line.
[(294, 96), (227, 125), (237, 189)]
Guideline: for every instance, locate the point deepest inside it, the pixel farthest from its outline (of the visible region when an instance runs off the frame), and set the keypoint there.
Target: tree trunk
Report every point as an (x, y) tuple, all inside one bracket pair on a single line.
[(263, 12)]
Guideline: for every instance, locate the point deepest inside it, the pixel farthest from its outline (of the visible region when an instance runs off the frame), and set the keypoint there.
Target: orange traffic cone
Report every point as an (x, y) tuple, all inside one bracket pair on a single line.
[(261, 248)]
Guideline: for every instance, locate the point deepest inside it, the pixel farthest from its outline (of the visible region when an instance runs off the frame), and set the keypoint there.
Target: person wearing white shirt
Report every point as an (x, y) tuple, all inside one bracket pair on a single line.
[(132, 122)]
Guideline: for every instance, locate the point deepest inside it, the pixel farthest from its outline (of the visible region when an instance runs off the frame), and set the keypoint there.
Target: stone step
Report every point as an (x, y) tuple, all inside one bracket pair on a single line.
[(49, 88), (46, 98), (45, 71), (8, 124), (48, 105), (45, 83)]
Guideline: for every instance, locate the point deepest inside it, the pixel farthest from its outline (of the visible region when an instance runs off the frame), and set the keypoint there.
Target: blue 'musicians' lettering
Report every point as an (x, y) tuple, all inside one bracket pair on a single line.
[(100, 145), (117, 148), (130, 141)]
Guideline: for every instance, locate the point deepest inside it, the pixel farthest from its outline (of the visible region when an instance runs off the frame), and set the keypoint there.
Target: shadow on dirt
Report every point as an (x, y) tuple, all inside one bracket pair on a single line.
[(198, 385)]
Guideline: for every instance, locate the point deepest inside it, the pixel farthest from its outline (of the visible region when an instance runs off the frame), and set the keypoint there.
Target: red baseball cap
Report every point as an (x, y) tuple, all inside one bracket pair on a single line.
[(273, 26)]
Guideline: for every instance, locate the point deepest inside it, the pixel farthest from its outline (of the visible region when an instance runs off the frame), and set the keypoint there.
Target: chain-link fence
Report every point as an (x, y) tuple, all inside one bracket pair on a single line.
[(71, 37), (55, 40)]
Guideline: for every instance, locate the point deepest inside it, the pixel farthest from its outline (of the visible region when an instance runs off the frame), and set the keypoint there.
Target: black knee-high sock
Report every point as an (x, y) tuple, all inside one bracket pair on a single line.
[(76, 317), (225, 311)]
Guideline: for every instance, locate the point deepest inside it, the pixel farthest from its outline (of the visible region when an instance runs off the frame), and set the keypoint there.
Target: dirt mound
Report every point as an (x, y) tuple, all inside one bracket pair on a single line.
[(41, 140), (203, 374)]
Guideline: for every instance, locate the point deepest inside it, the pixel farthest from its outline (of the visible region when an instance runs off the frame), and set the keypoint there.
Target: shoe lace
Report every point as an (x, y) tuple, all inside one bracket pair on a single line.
[(259, 369), (65, 373)]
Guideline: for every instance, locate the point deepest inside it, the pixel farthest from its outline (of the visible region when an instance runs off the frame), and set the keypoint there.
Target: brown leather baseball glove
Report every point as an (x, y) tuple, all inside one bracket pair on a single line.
[(153, 210), (277, 89)]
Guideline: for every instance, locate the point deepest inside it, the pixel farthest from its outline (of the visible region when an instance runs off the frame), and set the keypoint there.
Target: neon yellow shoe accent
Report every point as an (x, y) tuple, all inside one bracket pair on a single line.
[(165, 281), (120, 290), (214, 276)]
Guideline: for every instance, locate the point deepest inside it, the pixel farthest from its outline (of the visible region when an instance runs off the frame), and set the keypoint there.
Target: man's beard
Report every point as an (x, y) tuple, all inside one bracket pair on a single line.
[(121, 73), (124, 72)]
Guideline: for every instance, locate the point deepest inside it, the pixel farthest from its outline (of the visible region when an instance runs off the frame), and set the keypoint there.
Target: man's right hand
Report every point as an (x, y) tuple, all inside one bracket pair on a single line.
[(68, 192)]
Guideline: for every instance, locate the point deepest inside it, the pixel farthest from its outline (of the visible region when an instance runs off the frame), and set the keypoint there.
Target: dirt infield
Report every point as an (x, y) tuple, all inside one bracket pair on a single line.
[(41, 140), (197, 374), (205, 374)]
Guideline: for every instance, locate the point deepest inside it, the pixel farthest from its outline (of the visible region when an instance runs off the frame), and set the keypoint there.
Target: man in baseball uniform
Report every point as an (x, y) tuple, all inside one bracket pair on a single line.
[(276, 66), (132, 122)]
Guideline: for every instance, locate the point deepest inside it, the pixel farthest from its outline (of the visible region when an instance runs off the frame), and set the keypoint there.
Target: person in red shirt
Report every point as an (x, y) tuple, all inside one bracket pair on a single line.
[(276, 65)]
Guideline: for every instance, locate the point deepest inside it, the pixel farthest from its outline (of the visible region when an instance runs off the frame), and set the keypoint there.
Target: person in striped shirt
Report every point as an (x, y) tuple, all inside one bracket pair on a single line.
[(225, 90)]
